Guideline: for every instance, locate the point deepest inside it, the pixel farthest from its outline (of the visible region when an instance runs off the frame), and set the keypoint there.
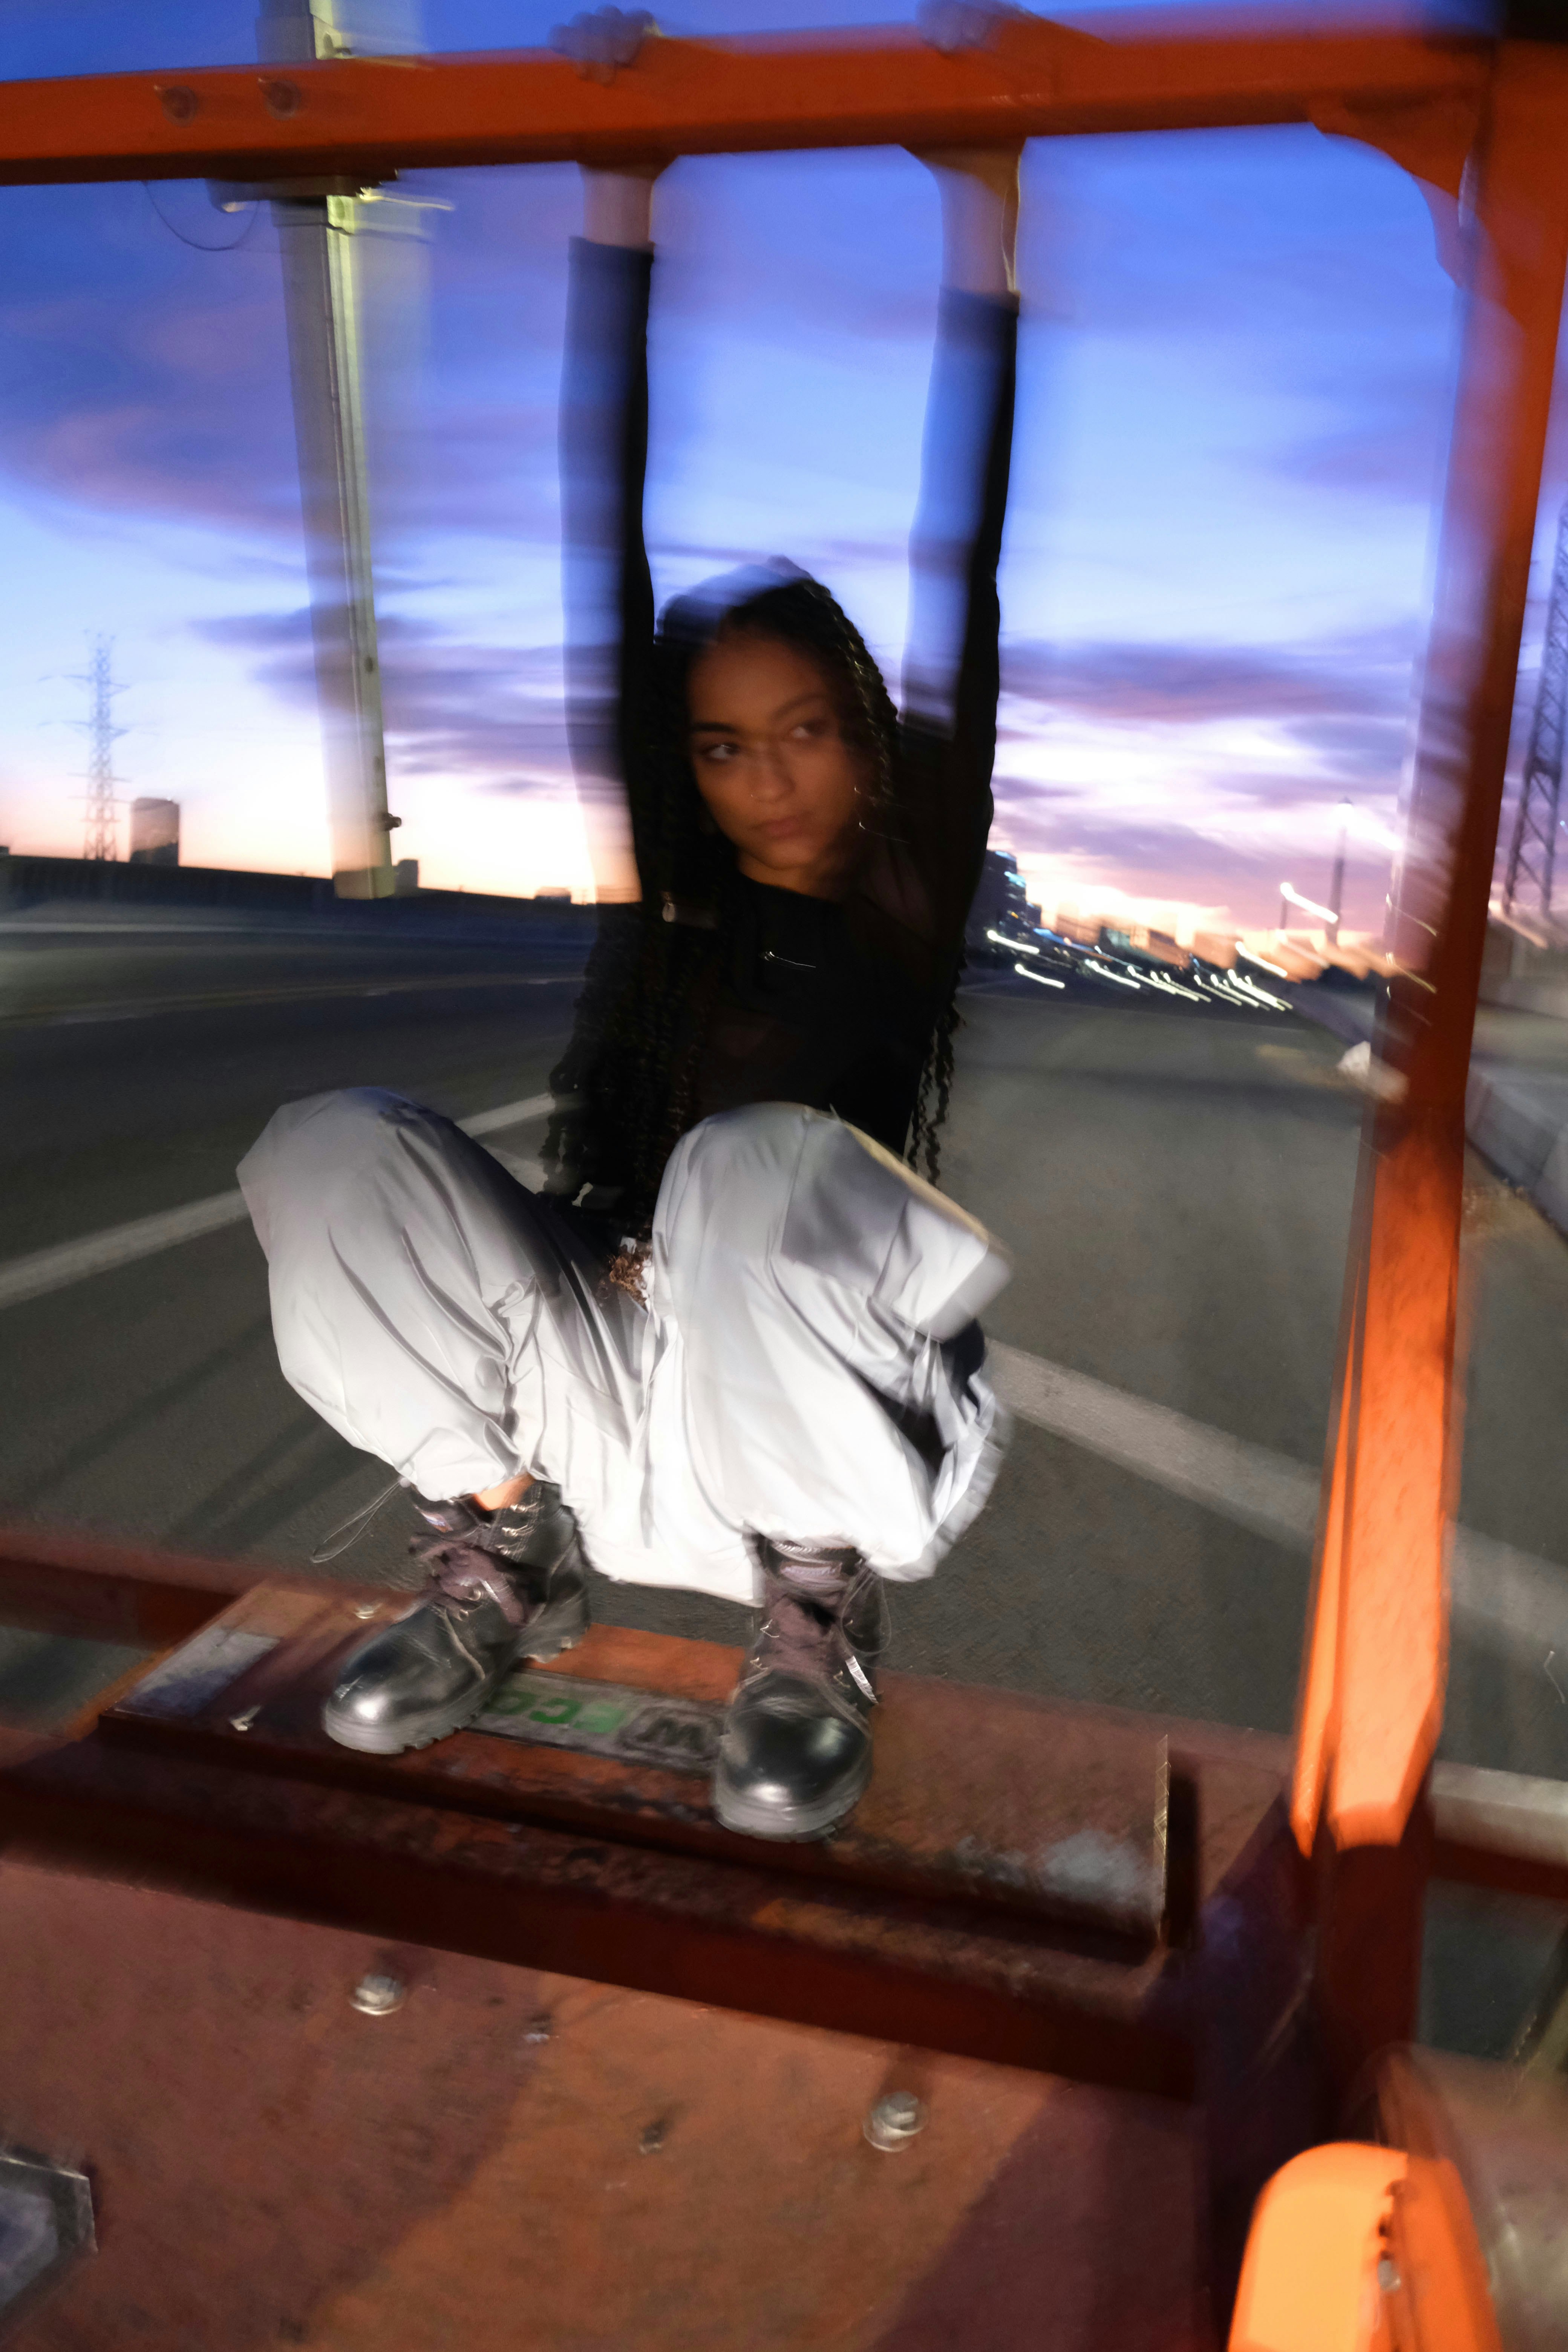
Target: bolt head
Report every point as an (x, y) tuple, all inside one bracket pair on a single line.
[(366, 1609), (378, 1996), (894, 2120)]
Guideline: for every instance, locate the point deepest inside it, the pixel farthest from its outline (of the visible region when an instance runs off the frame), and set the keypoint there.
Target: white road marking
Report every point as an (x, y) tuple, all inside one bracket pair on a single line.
[(1509, 1599), (1257, 1488), (42, 1271), (512, 1114)]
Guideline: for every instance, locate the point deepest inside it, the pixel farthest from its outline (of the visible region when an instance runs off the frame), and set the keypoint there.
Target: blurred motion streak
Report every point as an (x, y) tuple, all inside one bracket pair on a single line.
[(1372, 1695), (323, 300)]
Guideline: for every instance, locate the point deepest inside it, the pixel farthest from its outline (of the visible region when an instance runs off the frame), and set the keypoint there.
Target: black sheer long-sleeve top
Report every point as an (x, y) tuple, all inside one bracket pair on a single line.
[(829, 1002)]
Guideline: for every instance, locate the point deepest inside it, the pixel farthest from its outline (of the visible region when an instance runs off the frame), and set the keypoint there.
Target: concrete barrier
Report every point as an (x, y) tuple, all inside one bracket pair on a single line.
[(1517, 1118)]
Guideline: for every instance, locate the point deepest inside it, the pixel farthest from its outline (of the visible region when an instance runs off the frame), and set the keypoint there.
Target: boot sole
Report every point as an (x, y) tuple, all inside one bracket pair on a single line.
[(801, 1825), (555, 1631)]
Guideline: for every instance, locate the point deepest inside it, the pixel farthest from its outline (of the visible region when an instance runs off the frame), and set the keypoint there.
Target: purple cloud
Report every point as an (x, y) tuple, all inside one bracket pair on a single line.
[(492, 713)]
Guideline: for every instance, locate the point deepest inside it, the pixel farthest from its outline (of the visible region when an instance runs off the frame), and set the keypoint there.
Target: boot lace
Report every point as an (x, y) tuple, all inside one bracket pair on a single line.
[(461, 1574), (804, 1634)]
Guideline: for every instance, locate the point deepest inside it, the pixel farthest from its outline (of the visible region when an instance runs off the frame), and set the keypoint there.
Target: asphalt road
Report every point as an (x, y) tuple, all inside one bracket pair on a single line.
[(1174, 1186)]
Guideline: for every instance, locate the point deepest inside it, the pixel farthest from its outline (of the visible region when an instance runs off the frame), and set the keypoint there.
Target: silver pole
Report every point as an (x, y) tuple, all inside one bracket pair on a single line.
[(323, 304)]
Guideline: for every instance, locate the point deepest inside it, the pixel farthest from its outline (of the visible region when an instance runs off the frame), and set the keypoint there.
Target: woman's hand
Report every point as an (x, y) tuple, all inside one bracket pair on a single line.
[(617, 207), (979, 214)]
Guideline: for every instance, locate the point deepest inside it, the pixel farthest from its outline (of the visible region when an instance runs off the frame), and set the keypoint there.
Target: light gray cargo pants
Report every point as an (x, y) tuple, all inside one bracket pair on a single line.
[(788, 1374)]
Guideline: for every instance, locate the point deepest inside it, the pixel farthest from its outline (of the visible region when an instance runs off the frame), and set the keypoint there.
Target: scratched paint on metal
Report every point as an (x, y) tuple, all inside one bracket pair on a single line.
[(199, 1671), (633, 1726)]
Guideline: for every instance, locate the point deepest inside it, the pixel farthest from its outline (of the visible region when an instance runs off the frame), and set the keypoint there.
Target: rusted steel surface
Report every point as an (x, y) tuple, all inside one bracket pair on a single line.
[(367, 118), (757, 1937), (735, 1924), (1373, 1690), (985, 1797), (1371, 1916), (516, 2157), (56, 1582)]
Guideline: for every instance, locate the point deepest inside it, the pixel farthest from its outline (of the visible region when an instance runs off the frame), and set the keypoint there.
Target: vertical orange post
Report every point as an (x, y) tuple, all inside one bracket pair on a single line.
[(1373, 1687)]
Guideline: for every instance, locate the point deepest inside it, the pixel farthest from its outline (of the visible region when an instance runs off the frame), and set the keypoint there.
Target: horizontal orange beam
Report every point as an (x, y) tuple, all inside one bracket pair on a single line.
[(367, 118)]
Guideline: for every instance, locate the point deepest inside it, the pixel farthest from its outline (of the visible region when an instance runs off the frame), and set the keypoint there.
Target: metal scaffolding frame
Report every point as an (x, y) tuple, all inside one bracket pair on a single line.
[(1368, 1832)]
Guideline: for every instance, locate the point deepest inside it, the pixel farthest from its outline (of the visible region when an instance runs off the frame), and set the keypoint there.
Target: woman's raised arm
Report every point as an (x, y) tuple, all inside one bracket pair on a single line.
[(608, 592), (951, 677)]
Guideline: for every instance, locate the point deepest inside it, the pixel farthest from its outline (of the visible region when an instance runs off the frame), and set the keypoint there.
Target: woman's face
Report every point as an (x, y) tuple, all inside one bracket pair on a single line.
[(772, 763)]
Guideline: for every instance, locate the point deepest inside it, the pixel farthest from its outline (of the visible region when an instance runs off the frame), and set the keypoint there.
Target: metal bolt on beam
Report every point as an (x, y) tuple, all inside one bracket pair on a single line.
[(895, 2120), (378, 1996)]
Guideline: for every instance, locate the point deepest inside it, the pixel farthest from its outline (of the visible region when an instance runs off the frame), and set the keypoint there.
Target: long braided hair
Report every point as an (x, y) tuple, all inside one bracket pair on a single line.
[(628, 1082)]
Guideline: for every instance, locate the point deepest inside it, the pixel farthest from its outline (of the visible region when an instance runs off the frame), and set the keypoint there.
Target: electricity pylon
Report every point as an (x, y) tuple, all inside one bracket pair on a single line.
[(102, 838)]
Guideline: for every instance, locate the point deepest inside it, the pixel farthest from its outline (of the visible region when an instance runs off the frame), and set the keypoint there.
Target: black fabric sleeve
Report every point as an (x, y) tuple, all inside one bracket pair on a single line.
[(574, 1151), (953, 666), (608, 588), (608, 596)]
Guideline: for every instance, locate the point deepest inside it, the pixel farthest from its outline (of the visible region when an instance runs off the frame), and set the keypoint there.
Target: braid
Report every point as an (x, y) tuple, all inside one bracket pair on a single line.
[(935, 1089), (632, 1073)]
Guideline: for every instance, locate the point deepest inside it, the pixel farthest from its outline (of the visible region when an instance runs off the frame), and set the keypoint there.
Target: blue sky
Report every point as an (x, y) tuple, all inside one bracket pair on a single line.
[(1236, 363)]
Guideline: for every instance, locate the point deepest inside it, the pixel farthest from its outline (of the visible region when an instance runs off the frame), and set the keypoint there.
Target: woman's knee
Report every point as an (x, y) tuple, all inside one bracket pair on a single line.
[(308, 1148)]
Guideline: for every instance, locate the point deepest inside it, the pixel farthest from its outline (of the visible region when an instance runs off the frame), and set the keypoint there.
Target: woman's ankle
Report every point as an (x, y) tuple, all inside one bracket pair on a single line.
[(510, 1491)]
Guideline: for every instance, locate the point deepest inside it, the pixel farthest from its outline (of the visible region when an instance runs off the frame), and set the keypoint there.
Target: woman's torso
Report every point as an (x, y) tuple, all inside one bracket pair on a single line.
[(811, 1012)]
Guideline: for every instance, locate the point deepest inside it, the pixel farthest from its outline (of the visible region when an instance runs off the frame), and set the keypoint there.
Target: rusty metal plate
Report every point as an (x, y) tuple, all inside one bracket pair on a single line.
[(738, 1926), (984, 1797), (284, 2171)]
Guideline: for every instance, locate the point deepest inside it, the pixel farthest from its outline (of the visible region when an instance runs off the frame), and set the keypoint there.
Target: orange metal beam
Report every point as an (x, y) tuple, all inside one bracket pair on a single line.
[(367, 118), (1373, 1692)]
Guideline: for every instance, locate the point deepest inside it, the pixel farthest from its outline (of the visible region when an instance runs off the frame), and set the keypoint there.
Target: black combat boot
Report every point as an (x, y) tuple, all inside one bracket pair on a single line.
[(503, 1585), (796, 1749)]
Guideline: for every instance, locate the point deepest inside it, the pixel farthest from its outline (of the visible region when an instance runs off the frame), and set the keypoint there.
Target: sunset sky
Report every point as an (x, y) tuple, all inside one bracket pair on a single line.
[(1236, 363)]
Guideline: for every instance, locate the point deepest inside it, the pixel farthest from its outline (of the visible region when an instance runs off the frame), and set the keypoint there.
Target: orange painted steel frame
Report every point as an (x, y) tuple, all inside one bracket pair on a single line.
[(1489, 117)]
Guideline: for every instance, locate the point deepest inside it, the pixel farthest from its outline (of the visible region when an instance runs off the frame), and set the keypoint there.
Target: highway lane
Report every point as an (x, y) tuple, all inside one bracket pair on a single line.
[(135, 1070)]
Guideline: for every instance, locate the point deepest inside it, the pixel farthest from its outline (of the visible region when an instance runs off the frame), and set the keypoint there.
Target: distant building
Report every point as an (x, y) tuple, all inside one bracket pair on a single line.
[(154, 833), (556, 890), (1141, 944), (1000, 904)]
